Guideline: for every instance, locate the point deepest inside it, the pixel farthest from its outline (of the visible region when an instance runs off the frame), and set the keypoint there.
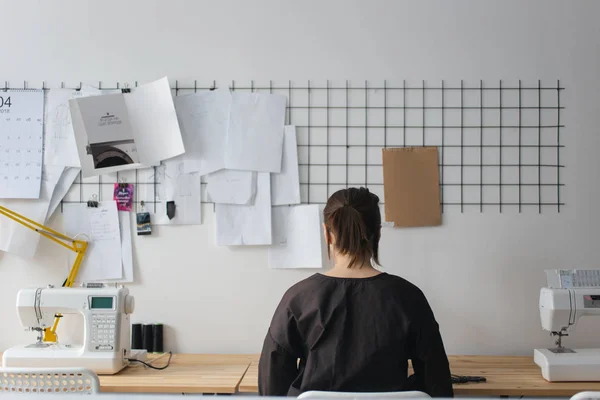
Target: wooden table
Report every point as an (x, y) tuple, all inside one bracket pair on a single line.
[(506, 376), (188, 373)]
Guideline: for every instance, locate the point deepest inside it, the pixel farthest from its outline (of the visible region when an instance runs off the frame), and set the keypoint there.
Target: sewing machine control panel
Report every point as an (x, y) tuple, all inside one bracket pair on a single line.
[(103, 333), (104, 323)]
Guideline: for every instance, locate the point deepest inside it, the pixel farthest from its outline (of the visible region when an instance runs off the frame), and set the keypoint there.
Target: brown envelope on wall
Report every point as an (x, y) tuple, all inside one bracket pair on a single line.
[(411, 186)]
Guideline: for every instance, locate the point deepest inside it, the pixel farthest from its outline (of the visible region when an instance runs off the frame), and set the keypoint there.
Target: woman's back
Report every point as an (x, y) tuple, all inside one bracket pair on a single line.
[(355, 329), (354, 335)]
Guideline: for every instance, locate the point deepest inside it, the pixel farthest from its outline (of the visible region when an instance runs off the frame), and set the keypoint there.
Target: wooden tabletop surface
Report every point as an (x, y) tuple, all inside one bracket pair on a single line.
[(188, 373), (221, 373), (506, 376)]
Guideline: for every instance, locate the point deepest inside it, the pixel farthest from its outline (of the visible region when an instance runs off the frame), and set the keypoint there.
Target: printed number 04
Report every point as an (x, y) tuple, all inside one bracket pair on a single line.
[(5, 102)]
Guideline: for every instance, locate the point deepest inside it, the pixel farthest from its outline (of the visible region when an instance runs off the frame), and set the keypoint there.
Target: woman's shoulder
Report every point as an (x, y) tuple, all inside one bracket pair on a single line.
[(319, 282)]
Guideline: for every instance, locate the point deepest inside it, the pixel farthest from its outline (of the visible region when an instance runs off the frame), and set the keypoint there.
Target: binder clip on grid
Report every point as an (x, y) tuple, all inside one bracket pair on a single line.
[(143, 221), (126, 89), (93, 201)]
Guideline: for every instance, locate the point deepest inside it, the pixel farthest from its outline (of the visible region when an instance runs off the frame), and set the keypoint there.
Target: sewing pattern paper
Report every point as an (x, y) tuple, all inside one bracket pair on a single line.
[(231, 187), (285, 186), (243, 224), (21, 143), (204, 121), (255, 135), (173, 184), (296, 237)]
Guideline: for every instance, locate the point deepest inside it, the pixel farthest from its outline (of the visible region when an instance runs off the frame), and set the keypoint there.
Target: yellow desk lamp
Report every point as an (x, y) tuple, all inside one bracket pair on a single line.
[(78, 246)]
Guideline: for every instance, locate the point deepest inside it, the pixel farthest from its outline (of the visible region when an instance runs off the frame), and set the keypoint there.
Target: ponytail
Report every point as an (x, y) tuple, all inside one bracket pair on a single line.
[(353, 216)]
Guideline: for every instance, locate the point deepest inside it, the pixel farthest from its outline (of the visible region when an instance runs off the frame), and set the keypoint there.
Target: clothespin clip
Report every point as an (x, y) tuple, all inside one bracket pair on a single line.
[(93, 201), (126, 88), (122, 183)]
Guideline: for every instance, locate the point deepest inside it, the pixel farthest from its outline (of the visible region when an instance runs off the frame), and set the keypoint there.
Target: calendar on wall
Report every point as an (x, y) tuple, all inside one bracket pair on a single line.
[(21, 143)]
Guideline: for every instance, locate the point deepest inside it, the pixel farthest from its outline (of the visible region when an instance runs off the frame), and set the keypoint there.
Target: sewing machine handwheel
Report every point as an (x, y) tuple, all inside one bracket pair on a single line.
[(129, 304)]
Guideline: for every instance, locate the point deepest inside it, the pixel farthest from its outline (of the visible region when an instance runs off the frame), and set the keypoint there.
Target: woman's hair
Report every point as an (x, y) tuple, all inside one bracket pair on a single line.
[(353, 217)]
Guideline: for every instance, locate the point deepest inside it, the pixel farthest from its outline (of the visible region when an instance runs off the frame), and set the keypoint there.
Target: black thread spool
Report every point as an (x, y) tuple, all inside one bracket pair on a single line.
[(136, 337), (147, 337), (157, 345)]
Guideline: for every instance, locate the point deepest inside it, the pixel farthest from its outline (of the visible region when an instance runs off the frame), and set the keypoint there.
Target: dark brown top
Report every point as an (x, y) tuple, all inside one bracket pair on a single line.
[(353, 335)]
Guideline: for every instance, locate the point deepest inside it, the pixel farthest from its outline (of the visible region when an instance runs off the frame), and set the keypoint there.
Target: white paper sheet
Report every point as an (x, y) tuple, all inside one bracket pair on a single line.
[(60, 147), (126, 247), (126, 131), (246, 225), (154, 121), (16, 238), (231, 187), (285, 186), (63, 185), (173, 184), (21, 143), (204, 120), (296, 238), (255, 135), (100, 226)]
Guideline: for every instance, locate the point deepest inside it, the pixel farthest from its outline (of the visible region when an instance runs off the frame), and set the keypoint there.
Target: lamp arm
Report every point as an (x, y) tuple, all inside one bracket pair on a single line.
[(78, 246)]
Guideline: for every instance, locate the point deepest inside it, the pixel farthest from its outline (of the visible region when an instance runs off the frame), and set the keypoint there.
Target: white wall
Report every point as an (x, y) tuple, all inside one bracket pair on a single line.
[(481, 272)]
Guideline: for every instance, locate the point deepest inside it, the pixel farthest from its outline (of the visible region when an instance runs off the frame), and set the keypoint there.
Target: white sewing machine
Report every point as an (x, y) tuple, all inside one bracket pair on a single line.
[(106, 341), (560, 309)]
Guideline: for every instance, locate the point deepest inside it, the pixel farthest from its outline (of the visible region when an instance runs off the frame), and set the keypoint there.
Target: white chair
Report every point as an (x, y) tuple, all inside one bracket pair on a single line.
[(586, 396), (49, 380), (318, 395)]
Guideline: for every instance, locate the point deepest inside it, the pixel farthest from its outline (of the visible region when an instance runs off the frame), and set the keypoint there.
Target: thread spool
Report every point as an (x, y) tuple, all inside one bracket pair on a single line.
[(147, 338), (136, 337), (157, 344)]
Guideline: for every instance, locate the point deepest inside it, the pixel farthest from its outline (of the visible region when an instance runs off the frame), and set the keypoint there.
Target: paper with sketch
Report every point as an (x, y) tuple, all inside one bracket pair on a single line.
[(204, 119), (173, 184), (63, 185), (60, 147), (246, 225), (123, 131), (21, 143), (99, 225), (285, 186), (16, 238), (255, 136), (231, 187), (296, 238)]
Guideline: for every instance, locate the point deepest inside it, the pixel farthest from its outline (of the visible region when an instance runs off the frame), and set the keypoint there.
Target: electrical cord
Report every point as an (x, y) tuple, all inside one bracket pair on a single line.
[(152, 366), (468, 379)]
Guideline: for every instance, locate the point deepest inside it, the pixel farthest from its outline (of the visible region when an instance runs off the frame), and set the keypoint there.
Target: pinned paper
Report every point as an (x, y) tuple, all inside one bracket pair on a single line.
[(285, 186), (123, 131), (177, 194), (123, 195), (255, 135), (296, 237), (21, 142), (99, 225), (204, 120), (411, 186), (246, 225), (231, 187)]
